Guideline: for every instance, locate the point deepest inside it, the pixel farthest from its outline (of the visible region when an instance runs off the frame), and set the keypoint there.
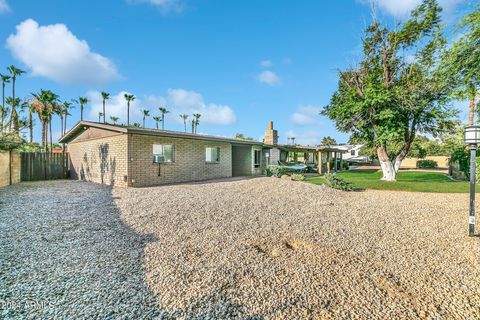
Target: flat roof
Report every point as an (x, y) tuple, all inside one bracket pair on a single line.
[(82, 125)]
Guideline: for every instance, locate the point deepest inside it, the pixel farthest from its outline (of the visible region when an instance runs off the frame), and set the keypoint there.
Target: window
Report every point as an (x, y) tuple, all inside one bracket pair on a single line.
[(163, 153), (256, 158), (212, 154), (352, 152)]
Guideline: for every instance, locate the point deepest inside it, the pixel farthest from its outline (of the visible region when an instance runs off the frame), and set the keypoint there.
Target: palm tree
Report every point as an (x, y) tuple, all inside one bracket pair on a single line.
[(184, 117), (5, 80), (83, 101), (146, 113), (193, 125), (31, 109), (157, 120), (100, 115), (66, 106), (14, 117), (137, 125), (196, 117), (163, 111), (114, 119), (41, 104), (105, 97), (13, 105), (129, 98)]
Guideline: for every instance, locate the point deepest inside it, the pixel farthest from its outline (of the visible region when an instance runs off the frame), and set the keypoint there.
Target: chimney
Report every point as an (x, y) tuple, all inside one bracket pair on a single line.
[(271, 135)]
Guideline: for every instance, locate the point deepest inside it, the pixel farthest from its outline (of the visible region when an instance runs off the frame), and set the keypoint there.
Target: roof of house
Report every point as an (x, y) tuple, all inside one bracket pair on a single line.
[(82, 125)]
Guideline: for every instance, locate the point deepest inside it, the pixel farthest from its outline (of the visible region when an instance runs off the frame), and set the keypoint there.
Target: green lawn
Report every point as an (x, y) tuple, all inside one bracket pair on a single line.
[(406, 181)]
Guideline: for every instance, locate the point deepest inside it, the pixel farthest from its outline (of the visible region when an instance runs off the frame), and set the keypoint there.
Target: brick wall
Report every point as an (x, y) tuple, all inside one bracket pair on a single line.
[(189, 165), (101, 160), (6, 166)]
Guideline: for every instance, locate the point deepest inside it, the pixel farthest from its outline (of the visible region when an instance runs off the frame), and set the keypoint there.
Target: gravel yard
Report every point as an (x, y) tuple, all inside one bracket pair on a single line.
[(261, 248)]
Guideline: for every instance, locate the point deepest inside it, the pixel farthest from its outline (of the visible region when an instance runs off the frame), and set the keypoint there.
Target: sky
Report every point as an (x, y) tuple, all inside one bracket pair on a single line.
[(240, 64)]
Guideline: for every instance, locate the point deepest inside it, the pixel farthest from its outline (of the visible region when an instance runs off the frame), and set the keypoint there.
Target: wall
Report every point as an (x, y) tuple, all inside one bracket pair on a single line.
[(189, 162), (412, 162), (261, 168), (274, 156), (242, 161), (99, 158), (6, 166)]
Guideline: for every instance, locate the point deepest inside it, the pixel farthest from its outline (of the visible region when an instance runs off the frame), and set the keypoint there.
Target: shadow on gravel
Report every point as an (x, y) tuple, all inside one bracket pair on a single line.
[(66, 253)]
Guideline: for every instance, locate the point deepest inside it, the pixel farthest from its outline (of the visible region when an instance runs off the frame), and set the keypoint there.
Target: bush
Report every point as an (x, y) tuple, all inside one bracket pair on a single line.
[(427, 164), (337, 183), (275, 171), (297, 177)]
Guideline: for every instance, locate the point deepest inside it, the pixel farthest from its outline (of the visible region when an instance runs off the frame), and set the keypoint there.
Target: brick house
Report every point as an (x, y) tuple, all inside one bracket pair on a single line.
[(138, 157)]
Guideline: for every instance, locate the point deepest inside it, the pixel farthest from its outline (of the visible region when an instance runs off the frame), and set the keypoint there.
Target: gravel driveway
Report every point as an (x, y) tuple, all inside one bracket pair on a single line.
[(260, 248)]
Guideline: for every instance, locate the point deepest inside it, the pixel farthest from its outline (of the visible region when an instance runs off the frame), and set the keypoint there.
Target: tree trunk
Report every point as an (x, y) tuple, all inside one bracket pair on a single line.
[(81, 112), (65, 126), (3, 109), (30, 125), (44, 135), (163, 121), (128, 114), (471, 111), (388, 167), (51, 136), (103, 112), (12, 117)]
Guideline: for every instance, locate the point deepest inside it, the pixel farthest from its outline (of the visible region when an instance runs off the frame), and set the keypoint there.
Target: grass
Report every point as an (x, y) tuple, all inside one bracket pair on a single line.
[(417, 181)]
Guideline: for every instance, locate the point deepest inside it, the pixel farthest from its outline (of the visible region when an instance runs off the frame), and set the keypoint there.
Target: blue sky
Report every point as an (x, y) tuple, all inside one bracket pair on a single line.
[(238, 63)]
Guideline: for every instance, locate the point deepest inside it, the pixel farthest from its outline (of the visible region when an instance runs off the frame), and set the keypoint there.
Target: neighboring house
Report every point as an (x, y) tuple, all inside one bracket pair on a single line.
[(128, 156), (352, 153)]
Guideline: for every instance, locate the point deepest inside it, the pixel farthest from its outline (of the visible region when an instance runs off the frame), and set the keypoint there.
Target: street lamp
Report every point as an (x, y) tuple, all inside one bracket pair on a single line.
[(472, 138)]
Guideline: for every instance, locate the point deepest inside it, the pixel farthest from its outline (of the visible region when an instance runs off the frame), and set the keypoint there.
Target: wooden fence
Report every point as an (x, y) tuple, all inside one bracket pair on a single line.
[(43, 166)]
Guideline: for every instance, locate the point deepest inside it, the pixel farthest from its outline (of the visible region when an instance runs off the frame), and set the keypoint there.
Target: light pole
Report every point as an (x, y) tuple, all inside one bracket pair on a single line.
[(472, 138)]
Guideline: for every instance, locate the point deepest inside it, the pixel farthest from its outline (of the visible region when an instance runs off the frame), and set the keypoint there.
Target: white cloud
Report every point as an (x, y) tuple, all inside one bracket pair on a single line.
[(306, 138), (165, 6), (177, 101), (266, 63), (52, 51), (4, 7), (268, 77), (401, 8), (305, 115), (189, 102)]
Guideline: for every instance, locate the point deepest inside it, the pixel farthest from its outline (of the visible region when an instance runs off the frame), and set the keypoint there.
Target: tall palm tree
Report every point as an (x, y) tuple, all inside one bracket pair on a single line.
[(100, 115), (13, 103), (196, 117), (129, 98), (184, 117), (163, 111), (82, 101), (66, 106), (157, 120), (114, 119), (31, 110), (105, 97), (40, 104), (14, 72), (146, 113), (5, 80)]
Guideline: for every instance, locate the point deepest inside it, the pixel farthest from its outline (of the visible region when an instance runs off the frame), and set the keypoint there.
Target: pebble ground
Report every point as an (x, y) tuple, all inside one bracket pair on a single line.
[(261, 248)]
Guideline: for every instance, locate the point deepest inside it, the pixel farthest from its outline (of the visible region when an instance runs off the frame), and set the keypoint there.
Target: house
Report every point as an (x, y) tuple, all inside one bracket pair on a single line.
[(130, 156)]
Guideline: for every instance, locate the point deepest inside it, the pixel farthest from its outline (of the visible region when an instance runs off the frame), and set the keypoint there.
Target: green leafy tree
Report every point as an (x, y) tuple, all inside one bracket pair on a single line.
[(396, 90), (184, 118), (241, 136), (163, 111), (328, 141), (462, 61), (105, 97), (157, 119), (146, 113), (129, 98), (137, 125), (44, 103)]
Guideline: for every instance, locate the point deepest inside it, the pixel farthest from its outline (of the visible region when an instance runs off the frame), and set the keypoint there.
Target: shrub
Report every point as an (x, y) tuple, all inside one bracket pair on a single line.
[(337, 183), (427, 164), (275, 171), (297, 177)]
